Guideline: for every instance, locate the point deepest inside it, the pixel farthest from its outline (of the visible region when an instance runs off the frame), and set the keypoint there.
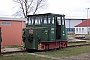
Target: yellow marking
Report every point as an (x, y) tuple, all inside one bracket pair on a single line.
[(39, 46)]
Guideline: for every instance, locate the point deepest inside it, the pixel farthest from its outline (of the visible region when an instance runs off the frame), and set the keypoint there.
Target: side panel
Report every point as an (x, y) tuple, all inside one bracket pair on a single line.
[(37, 37), (45, 35), (63, 33), (52, 33), (52, 29), (28, 44)]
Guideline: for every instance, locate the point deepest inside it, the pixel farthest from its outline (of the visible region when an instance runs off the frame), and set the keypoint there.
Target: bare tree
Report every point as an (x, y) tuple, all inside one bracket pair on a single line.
[(29, 6)]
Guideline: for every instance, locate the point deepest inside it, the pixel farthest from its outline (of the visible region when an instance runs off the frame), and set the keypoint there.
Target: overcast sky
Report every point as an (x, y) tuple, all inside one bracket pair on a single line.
[(71, 8)]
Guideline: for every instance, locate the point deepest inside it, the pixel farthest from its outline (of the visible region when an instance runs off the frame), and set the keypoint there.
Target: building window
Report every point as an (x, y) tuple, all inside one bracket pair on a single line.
[(76, 29), (82, 30), (88, 29), (6, 23), (79, 30)]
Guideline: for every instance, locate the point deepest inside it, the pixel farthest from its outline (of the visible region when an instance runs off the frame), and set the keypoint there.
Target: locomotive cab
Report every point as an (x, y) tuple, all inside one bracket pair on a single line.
[(45, 31)]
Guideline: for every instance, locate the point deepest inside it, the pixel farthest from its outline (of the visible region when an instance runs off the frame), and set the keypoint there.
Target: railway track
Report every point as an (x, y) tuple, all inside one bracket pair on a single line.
[(22, 51), (78, 45)]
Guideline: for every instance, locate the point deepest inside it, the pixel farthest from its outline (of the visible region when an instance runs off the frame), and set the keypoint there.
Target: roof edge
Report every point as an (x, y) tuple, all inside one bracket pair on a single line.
[(13, 19)]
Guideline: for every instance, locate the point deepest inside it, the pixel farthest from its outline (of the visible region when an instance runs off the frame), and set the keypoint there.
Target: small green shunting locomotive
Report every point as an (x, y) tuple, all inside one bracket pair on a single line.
[(45, 31)]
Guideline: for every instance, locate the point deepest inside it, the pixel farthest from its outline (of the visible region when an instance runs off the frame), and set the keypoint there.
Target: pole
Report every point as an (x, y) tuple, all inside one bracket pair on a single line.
[(87, 12), (87, 20)]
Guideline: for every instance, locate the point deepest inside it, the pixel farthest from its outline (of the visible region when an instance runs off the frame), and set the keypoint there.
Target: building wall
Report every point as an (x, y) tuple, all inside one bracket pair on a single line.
[(12, 34), (71, 23), (81, 30)]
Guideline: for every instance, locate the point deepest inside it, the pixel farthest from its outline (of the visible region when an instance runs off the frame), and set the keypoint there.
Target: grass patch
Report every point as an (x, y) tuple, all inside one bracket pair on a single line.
[(77, 43), (13, 46), (22, 57), (66, 52)]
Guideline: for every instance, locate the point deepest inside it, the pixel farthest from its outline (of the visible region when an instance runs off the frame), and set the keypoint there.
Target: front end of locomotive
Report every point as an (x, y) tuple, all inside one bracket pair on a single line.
[(32, 38)]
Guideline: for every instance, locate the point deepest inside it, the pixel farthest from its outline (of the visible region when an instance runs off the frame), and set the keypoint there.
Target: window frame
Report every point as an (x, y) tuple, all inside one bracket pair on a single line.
[(6, 23)]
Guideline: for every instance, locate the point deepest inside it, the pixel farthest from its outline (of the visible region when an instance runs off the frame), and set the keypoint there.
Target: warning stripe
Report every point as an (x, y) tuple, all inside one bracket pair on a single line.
[(39, 46)]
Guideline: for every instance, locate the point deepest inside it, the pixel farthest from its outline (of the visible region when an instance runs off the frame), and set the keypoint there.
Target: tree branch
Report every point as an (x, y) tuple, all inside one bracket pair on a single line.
[(29, 6)]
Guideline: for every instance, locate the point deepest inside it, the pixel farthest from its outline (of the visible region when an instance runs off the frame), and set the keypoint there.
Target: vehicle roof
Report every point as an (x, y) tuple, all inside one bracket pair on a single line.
[(47, 14)]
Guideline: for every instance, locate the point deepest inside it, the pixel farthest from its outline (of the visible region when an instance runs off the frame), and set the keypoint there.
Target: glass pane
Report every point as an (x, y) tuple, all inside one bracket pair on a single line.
[(32, 21), (53, 21), (59, 20), (88, 29), (82, 29), (38, 21), (62, 20), (76, 29), (29, 21), (45, 20), (48, 20), (79, 29)]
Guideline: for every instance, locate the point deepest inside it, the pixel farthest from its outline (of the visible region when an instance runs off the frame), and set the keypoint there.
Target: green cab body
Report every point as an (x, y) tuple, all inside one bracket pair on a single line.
[(39, 35), (44, 30)]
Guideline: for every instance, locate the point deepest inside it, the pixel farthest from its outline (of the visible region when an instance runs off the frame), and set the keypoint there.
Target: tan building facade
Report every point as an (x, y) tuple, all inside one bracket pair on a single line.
[(12, 30)]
